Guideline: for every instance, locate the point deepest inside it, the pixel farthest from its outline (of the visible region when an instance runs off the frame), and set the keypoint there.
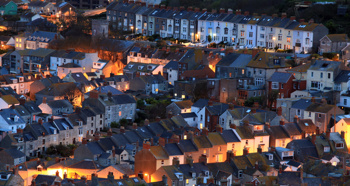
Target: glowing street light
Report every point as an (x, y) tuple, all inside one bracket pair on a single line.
[(132, 29)]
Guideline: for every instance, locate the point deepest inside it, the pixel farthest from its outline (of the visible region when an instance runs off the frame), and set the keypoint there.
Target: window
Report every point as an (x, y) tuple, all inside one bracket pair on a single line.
[(240, 174), (288, 39), (250, 34), (329, 75), (162, 162), (281, 85), (321, 75), (246, 142), (326, 149), (279, 37), (262, 36), (319, 115), (242, 33), (339, 145), (298, 112), (226, 31), (312, 74), (233, 146), (208, 119), (309, 114), (345, 101)]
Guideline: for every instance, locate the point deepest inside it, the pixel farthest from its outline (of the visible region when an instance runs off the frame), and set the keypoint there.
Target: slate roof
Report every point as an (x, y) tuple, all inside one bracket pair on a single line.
[(289, 178), (302, 104), (95, 148), (306, 147), (10, 100), (58, 89), (14, 153), (235, 60), (59, 104), (277, 132), (338, 37), (202, 142), (108, 88), (188, 115), (342, 77), (281, 77), (300, 68), (229, 136), (217, 108), (215, 138), (173, 149), (325, 65), (319, 107), (174, 65), (187, 146), (41, 179), (184, 104), (85, 164), (294, 163), (244, 132), (159, 152), (42, 34), (200, 103)]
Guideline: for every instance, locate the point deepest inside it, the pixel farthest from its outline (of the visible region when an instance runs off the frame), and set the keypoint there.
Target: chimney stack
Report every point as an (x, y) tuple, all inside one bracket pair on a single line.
[(222, 10), (238, 12), (146, 145), (122, 129), (218, 128), (279, 111), (296, 119), (284, 15), (146, 122), (246, 13), (229, 11), (328, 133), (246, 123), (245, 151), (84, 141), (282, 122), (293, 18), (205, 131), (134, 126), (301, 20), (203, 159), (232, 126)]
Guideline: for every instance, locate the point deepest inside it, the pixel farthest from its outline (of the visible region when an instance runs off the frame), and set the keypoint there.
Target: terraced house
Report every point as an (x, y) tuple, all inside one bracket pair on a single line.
[(241, 30)]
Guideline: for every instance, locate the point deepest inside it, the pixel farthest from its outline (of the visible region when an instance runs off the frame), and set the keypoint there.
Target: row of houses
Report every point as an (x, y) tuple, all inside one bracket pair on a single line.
[(241, 30)]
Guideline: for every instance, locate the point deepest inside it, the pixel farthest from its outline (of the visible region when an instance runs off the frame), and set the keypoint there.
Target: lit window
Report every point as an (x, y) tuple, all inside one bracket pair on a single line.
[(120, 113)]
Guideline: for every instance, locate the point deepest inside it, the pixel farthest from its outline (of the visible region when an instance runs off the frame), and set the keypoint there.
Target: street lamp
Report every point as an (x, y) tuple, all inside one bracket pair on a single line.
[(132, 29)]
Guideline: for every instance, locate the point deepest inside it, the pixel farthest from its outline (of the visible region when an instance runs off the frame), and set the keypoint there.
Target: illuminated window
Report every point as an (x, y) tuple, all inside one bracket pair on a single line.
[(20, 45), (187, 181), (185, 136), (17, 39), (120, 113), (20, 40), (204, 151), (183, 96), (201, 125)]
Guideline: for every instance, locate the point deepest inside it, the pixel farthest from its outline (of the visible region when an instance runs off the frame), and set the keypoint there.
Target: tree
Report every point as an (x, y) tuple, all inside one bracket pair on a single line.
[(209, 38), (272, 97), (115, 124)]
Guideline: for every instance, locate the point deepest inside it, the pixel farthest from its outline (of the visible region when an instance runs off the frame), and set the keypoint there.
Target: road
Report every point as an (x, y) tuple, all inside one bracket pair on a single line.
[(94, 12)]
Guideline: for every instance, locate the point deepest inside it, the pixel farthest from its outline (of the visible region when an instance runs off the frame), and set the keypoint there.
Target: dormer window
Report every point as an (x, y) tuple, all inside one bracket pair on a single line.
[(326, 149), (140, 67), (339, 145)]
